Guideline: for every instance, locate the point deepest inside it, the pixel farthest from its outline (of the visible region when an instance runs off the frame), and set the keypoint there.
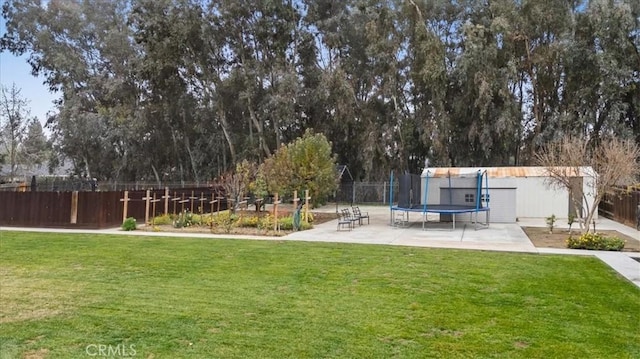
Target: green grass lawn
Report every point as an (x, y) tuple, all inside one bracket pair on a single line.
[(64, 295)]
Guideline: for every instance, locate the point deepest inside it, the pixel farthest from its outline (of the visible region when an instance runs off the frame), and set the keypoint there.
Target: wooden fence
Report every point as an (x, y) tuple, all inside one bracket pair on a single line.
[(102, 209), (621, 206)]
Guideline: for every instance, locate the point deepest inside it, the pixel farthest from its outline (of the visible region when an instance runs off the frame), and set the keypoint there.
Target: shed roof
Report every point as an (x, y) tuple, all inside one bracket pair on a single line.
[(502, 172)]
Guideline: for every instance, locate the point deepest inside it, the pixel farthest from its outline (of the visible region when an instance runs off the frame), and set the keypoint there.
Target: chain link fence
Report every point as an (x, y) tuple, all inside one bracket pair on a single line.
[(365, 193)]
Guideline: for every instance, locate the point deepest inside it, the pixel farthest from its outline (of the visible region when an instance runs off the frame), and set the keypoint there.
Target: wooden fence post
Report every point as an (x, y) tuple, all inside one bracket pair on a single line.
[(74, 207), (125, 205)]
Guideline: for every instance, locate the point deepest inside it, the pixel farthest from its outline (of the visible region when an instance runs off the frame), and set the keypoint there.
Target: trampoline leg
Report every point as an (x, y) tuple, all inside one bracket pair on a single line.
[(476, 221), (454, 221)]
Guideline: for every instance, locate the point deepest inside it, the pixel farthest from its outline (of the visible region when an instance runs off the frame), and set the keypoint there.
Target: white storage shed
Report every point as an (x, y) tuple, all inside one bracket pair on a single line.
[(514, 192)]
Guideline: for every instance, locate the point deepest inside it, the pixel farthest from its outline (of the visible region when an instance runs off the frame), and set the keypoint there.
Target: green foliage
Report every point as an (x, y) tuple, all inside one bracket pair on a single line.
[(186, 219), (306, 163), (225, 220), (163, 220), (551, 221), (287, 224), (249, 221), (266, 222), (595, 241), (217, 82), (129, 224)]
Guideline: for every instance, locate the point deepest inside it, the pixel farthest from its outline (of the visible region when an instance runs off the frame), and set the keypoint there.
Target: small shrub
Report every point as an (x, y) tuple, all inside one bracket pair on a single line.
[(286, 224), (129, 224), (225, 220), (186, 219), (249, 221), (595, 241), (551, 220), (570, 220), (309, 216), (266, 222), (165, 219)]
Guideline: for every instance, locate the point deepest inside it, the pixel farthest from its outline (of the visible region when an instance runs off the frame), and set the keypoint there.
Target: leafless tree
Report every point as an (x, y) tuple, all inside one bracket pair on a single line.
[(610, 162), (13, 124)]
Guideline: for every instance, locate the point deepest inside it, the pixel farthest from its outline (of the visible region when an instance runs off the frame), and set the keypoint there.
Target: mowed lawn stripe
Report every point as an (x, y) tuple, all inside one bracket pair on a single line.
[(177, 297)]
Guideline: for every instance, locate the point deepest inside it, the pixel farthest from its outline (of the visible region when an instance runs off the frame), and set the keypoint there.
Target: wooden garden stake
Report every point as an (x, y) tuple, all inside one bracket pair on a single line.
[(147, 201), (175, 200), (276, 202), (125, 205), (295, 200), (193, 197), (211, 203), (202, 200), (154, 201), (166, 200), (219, 198), (306, 205), (183, 201)]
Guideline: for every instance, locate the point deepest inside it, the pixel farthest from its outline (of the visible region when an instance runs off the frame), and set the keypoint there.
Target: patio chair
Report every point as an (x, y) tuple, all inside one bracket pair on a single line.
[(360, 215), (350, 216), (343, 220)]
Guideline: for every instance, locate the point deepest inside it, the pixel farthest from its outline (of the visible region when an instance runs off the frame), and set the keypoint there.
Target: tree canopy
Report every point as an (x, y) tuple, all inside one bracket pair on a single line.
[(187, 89)]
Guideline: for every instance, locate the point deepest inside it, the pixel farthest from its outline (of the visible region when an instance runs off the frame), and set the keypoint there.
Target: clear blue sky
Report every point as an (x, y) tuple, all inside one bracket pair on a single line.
[(16, 69)]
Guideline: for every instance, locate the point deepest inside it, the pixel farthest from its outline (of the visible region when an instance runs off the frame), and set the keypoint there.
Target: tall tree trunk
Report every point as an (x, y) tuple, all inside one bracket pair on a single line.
[(227, 135)]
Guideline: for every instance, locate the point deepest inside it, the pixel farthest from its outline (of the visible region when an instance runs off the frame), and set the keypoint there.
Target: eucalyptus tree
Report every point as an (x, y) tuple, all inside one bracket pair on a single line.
[(84, 50)]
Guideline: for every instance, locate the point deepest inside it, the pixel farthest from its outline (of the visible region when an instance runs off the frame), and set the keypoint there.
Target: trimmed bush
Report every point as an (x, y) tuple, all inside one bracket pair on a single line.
[(595, 241), (225, 220), (186, 219), (129, 224), (249, 221), (286, 224), (163, 220)]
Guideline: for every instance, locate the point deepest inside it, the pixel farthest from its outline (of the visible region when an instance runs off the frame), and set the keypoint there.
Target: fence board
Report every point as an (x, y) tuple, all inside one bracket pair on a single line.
[(101, 209), (621, 206)]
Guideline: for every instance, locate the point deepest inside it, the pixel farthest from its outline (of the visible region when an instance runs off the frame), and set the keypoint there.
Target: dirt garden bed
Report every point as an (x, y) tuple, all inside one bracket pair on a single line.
[(540, 237), (318, 217)]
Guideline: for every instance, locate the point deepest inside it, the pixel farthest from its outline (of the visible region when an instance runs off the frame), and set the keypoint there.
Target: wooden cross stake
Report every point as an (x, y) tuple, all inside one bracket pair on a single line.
[(147, 200), (306, 205), (166, 200), (211, 203), (175, 200), (202, 199), (154, 201), (276, 202), (192, 198), (183, 201), (295, 200), (125, 205)]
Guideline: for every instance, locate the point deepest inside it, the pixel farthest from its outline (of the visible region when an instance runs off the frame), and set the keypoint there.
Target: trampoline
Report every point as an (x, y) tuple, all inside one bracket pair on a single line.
[(409, 192)]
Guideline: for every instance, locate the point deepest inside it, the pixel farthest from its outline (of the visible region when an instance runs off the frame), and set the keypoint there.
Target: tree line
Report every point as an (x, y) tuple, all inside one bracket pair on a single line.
[(187, 89)]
